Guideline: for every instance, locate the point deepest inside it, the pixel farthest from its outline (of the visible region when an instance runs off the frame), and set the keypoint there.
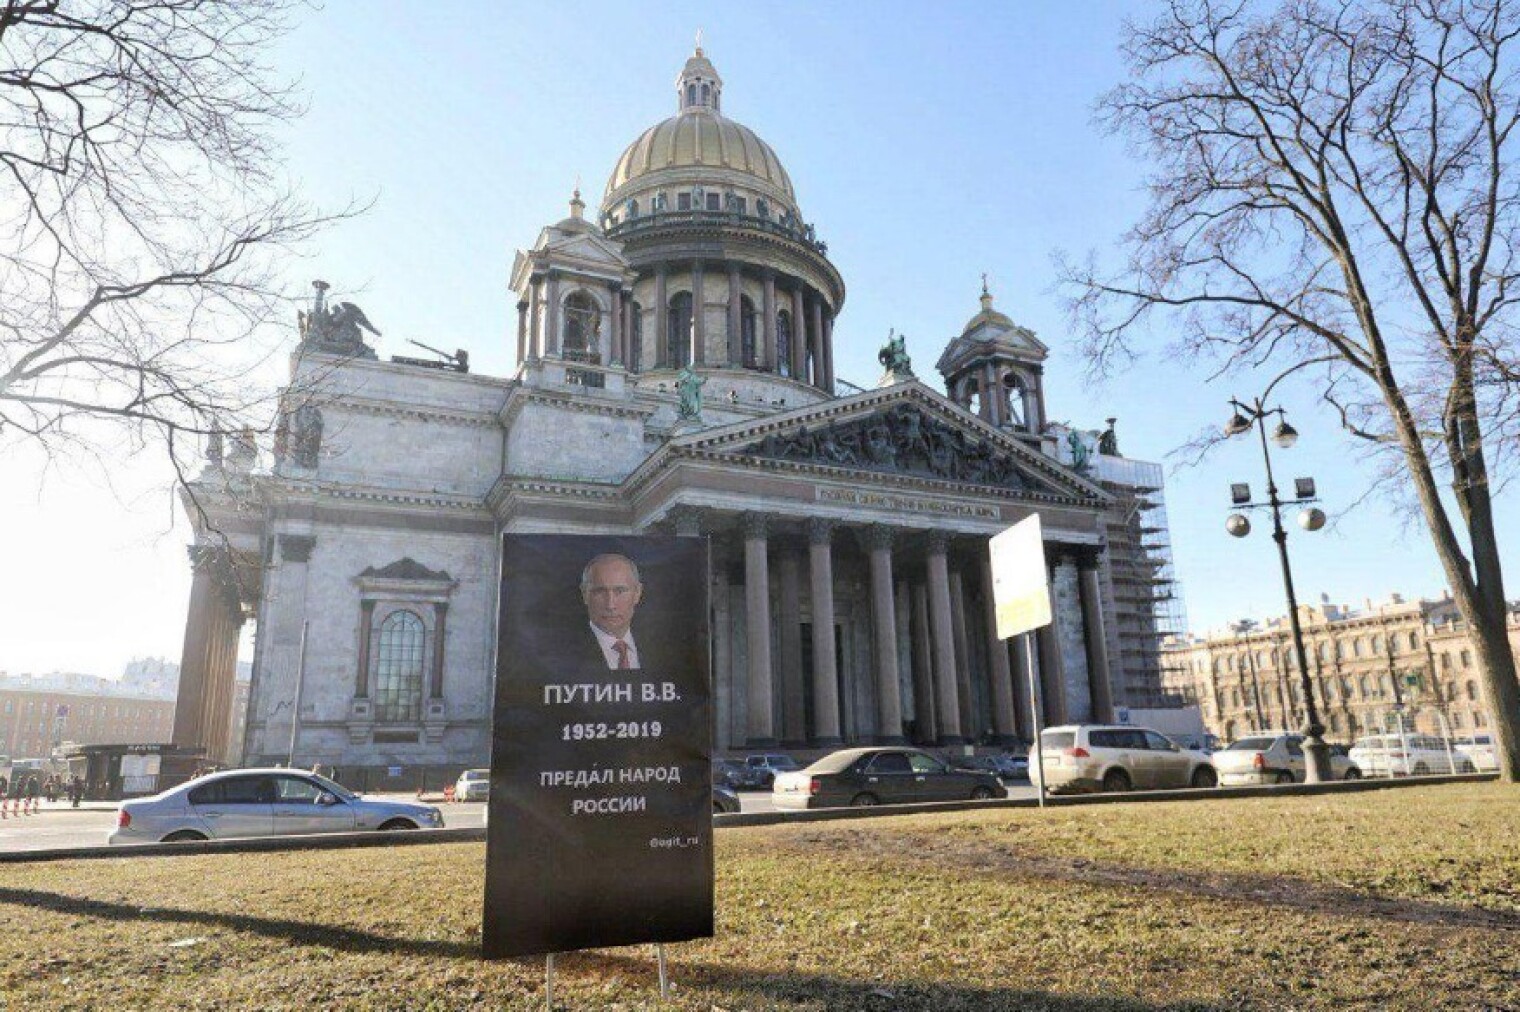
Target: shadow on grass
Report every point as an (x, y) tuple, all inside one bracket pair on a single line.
[(304, 932), (834, 993), (742, 983)]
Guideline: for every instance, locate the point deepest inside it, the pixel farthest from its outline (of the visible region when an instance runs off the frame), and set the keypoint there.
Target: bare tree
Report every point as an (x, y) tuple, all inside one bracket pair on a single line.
[(140, 220), (1336, 199)]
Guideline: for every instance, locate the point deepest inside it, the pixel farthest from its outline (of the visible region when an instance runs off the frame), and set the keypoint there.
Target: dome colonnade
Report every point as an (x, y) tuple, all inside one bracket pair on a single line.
[(713, 265)]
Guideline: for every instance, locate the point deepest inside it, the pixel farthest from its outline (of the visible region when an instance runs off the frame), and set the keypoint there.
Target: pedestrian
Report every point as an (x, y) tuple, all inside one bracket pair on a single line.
[(5, 787), (31, 793), (76, 790), (50, 789)]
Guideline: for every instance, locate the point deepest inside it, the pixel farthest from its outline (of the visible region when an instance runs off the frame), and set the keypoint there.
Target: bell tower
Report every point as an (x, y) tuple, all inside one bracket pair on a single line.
[(995, 369)]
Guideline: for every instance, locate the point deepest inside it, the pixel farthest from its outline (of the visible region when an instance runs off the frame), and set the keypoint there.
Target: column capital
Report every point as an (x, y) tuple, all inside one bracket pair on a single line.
[(755, 525), (687, 520), (878, 537), (522, 306), (296, 547), (937, 542), (820, 531)]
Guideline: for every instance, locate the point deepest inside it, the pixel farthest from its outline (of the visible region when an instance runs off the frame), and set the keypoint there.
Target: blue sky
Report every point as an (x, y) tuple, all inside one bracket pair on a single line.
[(927, 142)]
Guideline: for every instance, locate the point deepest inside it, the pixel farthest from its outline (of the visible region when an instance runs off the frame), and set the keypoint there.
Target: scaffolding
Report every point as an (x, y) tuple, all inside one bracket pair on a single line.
[(1148, 606)]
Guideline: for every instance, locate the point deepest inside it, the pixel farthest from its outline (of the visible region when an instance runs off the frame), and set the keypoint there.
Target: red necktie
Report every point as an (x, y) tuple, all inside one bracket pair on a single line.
[(622, 652)]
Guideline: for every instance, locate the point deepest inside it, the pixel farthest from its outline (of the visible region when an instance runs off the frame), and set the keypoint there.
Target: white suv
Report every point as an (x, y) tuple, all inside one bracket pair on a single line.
[(1116, 757), (1405, 755)]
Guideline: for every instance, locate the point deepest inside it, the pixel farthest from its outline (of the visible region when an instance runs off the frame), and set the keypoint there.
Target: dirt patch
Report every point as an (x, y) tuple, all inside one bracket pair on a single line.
[(1266, 890)]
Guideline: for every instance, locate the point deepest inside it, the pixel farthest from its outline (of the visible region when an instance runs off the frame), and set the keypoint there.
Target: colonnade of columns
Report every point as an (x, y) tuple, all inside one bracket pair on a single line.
[(810, 357), (208, 662), (963, 684)]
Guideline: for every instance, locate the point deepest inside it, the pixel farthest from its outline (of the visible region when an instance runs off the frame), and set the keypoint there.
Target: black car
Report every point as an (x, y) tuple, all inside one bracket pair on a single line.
[(725, 800), (881, 776)]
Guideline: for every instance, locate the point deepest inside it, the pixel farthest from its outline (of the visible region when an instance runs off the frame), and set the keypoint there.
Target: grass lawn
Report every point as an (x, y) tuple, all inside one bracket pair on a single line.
[(1405, 899)]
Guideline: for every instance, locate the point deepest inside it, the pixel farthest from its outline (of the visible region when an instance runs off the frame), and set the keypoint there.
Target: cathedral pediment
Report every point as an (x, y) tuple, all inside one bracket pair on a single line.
[(907, 431), (409, 569), (586, 247)]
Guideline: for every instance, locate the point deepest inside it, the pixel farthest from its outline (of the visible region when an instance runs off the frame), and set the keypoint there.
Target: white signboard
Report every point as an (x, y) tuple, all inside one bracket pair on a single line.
[(1020, 583)]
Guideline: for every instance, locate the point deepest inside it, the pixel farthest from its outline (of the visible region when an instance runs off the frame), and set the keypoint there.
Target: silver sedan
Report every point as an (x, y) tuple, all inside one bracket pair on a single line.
[(268, 802)]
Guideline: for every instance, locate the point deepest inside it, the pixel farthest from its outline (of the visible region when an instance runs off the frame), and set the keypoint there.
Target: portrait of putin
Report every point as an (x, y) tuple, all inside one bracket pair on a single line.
[(611, 589)]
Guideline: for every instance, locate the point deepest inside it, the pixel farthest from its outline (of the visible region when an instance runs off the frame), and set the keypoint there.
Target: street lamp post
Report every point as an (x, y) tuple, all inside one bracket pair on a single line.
[(1254, 415)]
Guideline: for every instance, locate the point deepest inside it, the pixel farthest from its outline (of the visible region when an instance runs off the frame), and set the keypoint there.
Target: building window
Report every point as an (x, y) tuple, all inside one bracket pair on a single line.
[(1335, 723), (715, 201), (691, 94), (398, 670), (1361, 685), (1445, 661), (1356, 647), (747, 330), (683, 202), (1377, 644), (1472, 690), (678, 331), (1456, 720), (1478, 720), (1414, 641), (583, 326), (1466, 659), (636, 339), (784, 343), (741, 204)]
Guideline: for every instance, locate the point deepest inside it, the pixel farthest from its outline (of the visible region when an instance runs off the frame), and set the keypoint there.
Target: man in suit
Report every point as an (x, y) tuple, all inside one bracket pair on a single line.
[(612, 590)]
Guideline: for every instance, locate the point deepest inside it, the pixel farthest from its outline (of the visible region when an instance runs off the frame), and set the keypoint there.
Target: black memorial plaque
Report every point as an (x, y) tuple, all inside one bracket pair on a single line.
[(600, 810)]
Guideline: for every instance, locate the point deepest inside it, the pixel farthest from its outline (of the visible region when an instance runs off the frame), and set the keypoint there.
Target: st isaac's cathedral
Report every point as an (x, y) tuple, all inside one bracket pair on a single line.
[(675, 375)]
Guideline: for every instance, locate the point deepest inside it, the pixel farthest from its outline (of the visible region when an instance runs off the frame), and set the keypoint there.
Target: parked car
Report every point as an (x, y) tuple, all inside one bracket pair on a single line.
[(473, 785), (1478, 753), (881, 776), (1118, 757), (1403, 755), (760, 770), (1004, 767), (729, 773), (724, 799), (1275, 758), (261, 802)]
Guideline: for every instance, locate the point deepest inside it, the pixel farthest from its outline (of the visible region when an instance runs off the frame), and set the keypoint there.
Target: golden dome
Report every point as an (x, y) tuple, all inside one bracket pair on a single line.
[(696, 139)]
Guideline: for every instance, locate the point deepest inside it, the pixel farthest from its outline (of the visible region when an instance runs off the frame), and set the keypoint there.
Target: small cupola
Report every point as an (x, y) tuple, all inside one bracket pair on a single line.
[(699, 88)]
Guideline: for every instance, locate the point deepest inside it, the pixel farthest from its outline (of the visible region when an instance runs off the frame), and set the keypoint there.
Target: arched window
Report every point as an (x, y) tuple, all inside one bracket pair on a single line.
[(398, 671), (678, 330), (1466, 659), (1361, 686), (1377, 644), (784, 343), (691, 94), (705, 93), (1356, 646), (636, 338), (633, 207), (1472, 690), (747, 329), (583, 327), (1414, 641)]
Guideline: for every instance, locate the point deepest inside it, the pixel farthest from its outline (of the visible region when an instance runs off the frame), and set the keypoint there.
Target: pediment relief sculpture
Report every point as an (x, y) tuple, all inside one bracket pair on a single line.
[(901, 440)]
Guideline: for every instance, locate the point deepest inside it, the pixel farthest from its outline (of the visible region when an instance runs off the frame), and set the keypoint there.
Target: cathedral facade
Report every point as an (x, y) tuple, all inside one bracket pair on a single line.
[(675, 375)]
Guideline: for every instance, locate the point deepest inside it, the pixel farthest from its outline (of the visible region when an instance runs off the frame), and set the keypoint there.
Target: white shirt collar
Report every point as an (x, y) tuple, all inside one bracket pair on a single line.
[(605, 640)]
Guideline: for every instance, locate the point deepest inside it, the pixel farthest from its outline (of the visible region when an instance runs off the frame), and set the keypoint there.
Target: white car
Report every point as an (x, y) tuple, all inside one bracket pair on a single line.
[(473, 785), (1277, 757), (1405, 755), (263, 802), (1083, 757), (1478, 753)]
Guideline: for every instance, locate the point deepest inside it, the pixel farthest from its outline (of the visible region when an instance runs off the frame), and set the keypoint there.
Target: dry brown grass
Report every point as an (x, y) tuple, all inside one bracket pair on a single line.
[(1401, 899)]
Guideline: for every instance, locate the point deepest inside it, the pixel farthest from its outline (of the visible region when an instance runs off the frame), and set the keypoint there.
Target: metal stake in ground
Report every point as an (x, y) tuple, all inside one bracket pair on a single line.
[(549, 983), (659, 952)]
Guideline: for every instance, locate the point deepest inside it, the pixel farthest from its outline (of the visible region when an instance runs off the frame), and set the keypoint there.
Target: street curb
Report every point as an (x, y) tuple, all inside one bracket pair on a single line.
[(419, 837), (257, 845)]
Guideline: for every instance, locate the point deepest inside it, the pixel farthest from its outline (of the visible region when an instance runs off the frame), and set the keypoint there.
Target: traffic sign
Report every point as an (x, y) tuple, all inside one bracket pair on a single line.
[(1020, 582)]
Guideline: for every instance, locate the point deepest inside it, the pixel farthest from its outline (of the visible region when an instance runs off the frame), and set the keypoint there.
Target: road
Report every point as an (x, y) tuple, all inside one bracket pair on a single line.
[(59, 827)]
